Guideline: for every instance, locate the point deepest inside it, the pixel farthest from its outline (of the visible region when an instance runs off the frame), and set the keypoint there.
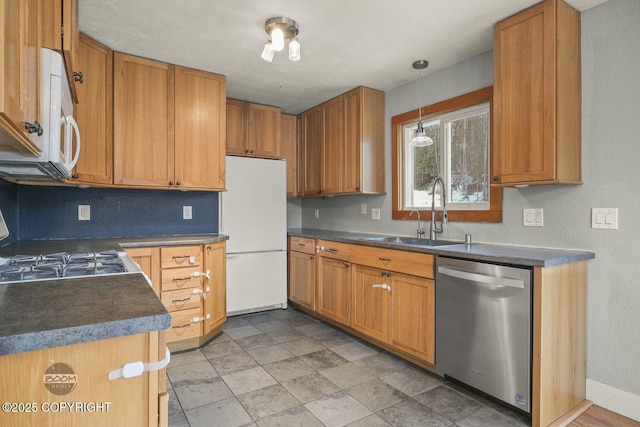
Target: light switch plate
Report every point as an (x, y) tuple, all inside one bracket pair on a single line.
[(606, 218), (363, 209), (375, 214), (532, 218), (187, 212), (84, 212)]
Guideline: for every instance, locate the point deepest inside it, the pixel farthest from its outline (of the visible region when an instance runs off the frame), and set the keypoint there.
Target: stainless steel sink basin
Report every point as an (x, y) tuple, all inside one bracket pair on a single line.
[(401, 240)]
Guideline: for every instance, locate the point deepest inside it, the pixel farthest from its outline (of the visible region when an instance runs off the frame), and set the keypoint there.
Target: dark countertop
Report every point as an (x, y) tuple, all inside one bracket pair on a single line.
[(31, 247), (504, 254), (51, 313)]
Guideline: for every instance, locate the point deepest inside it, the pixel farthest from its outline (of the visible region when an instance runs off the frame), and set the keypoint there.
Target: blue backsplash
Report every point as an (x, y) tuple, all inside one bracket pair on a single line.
[(9, 208), (52, 212)]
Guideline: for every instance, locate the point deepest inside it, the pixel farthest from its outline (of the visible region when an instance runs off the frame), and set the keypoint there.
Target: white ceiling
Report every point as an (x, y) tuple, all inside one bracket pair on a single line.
[(345, 43)]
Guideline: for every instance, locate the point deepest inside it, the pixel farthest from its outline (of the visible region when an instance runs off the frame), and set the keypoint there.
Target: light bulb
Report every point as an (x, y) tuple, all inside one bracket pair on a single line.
[(268, 52), (294, 49), (277, 39)]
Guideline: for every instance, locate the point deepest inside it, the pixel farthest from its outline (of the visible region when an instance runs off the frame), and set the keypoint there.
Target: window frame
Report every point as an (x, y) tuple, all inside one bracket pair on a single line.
[(494, 214)]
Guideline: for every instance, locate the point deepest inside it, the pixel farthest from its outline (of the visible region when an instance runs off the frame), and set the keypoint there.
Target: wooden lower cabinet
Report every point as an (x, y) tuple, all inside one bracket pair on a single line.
[(191, 283), (334, 289), (387, 296), (302, 273), (412, 316), (395, 308), (136, 401)]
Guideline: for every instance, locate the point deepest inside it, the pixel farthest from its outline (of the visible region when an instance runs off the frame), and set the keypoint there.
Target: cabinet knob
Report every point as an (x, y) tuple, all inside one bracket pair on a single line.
[(358, 188), (170, 182), (33, 127), (78, 77), (495, 178), (246, 151), (74, 176), (178, 183)]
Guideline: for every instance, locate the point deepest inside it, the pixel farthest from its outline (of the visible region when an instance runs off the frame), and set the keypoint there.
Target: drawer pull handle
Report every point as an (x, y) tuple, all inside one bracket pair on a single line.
[(181, 300), (182, 326), (302, 244), (385, 259), (182, 279), (180, 258), (333, 250)]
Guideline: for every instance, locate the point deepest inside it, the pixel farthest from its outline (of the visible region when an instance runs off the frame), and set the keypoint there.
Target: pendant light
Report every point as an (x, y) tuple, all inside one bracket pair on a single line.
[(420, 138)]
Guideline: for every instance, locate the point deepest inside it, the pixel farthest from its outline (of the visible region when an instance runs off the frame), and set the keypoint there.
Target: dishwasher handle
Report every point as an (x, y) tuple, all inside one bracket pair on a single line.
[(498, 282)]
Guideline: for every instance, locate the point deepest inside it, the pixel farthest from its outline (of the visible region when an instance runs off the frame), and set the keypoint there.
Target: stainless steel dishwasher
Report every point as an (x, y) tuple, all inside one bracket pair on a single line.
[(483, 328)]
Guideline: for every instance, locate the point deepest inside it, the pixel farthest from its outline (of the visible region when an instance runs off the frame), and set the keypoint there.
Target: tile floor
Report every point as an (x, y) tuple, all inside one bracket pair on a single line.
[(284, 368)]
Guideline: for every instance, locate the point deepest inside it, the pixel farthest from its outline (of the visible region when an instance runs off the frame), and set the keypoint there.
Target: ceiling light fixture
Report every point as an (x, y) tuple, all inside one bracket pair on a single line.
[(420, 138), (280, 29)]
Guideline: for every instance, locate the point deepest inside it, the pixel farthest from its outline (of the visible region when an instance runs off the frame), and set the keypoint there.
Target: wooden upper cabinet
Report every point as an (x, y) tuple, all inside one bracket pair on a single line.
[(19, 75), (313, 140), (343, 143), (289, 142), (200, 127), (237, 127), (364, 156), (253, 130), (143, 137), (60, 32), (169, 126), (333, 147), (537, 97), (94, 113)]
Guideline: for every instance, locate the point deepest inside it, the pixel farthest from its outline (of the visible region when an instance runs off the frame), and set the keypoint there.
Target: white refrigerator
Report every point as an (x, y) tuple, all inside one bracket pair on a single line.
[(253, 213)]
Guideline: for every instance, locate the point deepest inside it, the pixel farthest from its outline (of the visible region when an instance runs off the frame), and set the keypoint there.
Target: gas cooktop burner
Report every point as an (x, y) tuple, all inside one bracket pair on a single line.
[(62, 264)]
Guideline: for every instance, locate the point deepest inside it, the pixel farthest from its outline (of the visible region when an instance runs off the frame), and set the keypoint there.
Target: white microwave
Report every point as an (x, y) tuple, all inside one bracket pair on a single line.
[(59, 142)]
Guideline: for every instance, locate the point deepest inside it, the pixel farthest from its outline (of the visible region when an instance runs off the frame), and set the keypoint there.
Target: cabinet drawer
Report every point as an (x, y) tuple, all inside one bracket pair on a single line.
[(180, 256), (412, 263), (335, 250), (181, 299), (182, 325), (180, 278), (302, 244)]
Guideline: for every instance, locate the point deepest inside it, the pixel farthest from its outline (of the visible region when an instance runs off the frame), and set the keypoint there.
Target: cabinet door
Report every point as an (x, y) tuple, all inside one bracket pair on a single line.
[(333, 147), (149, 261), (313, 147), (143, 129), (200, 129), (413, 316), (302, 279), (237, 120), (215, 306), (370, 301), (524, 96), (20, 68), (334, 289), (264, 131), (289, 140), (94, 113), (352, 162)]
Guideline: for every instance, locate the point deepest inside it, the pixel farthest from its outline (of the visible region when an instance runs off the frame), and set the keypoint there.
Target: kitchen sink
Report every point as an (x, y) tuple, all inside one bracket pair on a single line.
[(401, 240)]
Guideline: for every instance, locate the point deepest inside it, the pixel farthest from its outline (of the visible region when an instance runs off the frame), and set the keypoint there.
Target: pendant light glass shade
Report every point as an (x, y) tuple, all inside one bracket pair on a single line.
[(277, 39), (420, 138), (268, 52), (294, 50)]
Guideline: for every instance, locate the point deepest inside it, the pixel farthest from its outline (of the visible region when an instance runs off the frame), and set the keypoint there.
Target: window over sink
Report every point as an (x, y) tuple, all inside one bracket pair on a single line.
[(460, 128)]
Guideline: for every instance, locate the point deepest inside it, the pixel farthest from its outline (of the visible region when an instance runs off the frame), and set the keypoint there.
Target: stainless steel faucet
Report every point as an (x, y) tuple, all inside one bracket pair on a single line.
[(419, 231), (435, 227)]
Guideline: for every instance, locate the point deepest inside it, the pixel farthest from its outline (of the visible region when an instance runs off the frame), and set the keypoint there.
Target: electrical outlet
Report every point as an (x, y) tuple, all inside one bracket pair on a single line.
[(363, 209), (317, 213), (84, 212), (187, 212), (375, 214), (532, 218)]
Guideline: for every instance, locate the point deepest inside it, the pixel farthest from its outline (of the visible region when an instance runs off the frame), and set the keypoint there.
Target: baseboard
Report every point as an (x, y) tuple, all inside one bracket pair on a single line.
[(613, 399)]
